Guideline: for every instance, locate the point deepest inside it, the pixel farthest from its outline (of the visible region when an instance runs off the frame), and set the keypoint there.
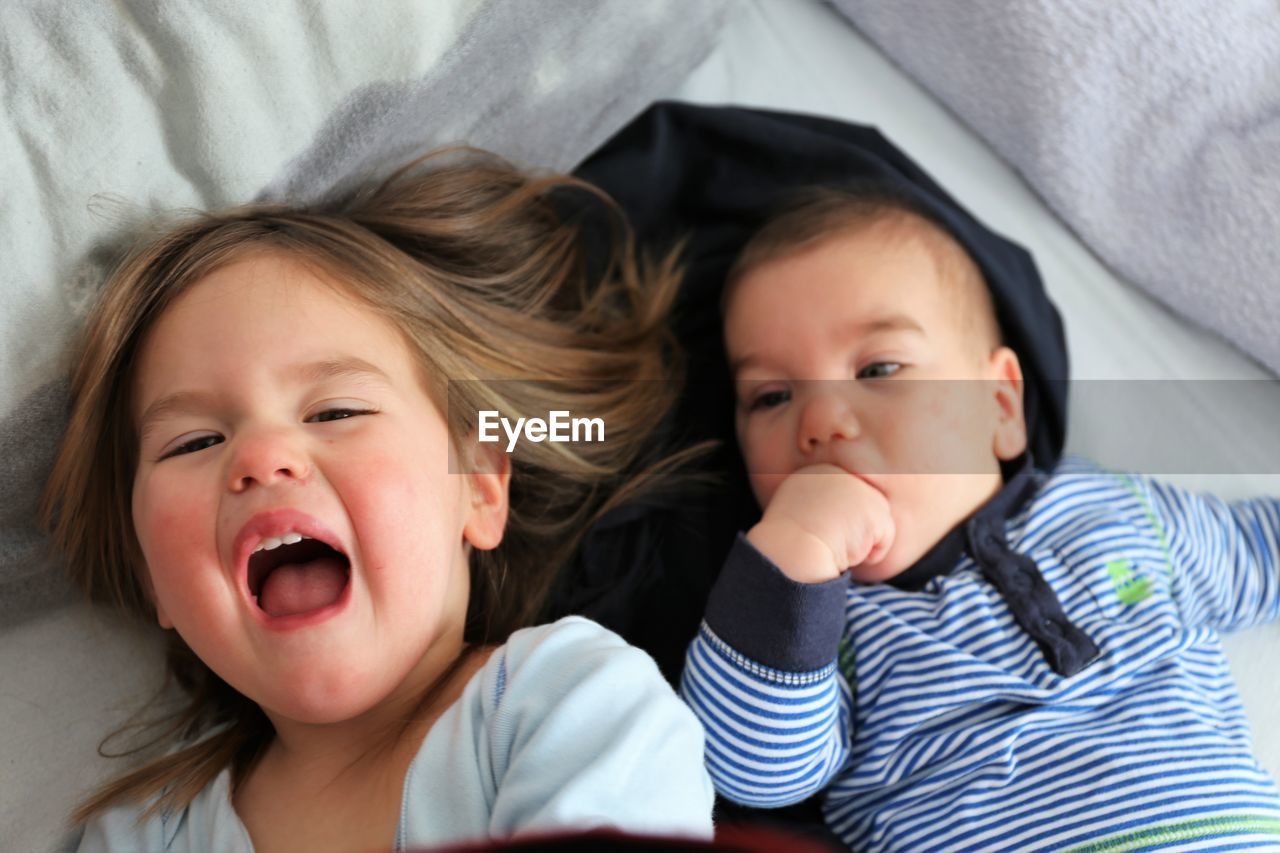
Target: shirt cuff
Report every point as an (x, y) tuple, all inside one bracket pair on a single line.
[(771, 619)]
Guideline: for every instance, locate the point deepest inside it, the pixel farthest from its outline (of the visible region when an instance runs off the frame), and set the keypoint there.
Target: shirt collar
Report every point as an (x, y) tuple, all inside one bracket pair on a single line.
[(1019, 484)]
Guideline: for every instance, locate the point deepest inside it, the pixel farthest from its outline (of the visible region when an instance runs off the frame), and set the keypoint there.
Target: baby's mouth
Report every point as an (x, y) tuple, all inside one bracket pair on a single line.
[(297, 577)]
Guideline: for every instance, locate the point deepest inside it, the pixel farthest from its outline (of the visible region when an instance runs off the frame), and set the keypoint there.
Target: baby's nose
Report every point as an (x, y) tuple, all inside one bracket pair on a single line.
[(826, 417)]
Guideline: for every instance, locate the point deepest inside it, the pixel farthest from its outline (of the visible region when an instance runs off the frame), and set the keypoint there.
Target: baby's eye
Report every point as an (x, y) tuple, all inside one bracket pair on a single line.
[(194, 445), (879, 370), (769, 400), (337, 414)]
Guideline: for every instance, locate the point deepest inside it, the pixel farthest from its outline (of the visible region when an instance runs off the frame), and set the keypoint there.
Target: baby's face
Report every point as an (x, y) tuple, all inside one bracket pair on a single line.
[(855, 352), (269, 406)]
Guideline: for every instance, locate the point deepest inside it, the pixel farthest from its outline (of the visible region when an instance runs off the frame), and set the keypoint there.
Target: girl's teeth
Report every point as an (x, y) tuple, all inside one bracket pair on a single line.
[(271, 542)]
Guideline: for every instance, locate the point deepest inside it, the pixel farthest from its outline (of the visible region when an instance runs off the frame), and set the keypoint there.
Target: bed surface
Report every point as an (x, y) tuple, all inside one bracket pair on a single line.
[(72, 674)]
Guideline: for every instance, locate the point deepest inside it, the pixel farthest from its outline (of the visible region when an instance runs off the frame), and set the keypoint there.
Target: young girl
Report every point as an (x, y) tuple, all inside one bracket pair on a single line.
[(272, 453)]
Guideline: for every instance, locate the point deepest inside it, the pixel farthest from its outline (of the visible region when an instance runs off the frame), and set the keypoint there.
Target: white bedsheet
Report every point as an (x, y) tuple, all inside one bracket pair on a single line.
[(784, 54), (800, 55)]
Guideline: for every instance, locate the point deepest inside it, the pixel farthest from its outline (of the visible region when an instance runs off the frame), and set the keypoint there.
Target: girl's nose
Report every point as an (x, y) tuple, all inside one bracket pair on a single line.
[(825, 417), (264, 458)]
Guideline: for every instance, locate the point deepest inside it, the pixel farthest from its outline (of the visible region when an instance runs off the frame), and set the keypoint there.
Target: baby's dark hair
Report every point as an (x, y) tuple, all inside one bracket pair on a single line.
[(484, 270), (815, 214)]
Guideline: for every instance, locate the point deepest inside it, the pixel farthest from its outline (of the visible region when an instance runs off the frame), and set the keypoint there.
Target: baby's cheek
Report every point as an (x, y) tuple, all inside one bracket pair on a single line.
[(949, 438), (765, 453), (764, 486)]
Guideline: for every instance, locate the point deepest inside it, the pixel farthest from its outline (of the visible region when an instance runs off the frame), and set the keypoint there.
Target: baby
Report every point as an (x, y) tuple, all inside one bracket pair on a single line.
[(960, 651)]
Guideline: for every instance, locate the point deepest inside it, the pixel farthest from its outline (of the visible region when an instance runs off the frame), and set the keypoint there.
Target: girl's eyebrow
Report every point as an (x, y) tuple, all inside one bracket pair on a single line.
[(182, 402), (170, 405), (338, 367)]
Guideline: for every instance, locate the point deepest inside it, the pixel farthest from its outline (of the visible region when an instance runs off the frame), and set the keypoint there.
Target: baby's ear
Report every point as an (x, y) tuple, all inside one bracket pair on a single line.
[(488, 476), (1009, 439)]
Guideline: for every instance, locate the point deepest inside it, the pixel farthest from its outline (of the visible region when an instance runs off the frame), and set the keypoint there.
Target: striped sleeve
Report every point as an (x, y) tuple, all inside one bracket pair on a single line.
[(762, 677), (1225, 556)]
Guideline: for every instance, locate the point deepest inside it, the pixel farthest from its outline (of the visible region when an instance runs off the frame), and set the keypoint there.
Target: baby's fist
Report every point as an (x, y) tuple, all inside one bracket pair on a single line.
[(821, 521)]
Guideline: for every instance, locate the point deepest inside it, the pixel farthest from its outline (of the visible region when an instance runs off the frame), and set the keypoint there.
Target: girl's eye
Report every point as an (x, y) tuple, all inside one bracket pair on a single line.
[(769, 400), (194, 445), (337, 414), (879, 370)]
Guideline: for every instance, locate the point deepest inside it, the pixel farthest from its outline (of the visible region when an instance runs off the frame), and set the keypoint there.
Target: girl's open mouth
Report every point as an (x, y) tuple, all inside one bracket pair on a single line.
[(294, 578)]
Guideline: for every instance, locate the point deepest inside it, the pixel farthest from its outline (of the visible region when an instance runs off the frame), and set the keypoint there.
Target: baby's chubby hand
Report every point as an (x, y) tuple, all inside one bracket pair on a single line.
[(821, 521)]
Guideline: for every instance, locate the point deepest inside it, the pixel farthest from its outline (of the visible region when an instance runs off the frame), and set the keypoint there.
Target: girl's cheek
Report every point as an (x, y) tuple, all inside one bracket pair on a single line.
[(164, 518)]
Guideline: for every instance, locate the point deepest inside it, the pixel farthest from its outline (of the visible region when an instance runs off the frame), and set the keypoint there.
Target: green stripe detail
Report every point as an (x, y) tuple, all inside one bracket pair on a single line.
[(1152, 517), (1191, 830), (1164, 540)]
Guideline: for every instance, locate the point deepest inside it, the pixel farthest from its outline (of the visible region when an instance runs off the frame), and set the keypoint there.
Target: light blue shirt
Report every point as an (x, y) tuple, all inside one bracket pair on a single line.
[(566, 727)]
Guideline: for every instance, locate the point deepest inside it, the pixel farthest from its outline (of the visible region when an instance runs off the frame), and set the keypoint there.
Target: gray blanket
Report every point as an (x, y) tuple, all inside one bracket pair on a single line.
[(1152, 128)]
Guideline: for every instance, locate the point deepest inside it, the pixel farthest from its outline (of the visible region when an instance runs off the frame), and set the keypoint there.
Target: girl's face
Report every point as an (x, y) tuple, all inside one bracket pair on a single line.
[(271, 407)]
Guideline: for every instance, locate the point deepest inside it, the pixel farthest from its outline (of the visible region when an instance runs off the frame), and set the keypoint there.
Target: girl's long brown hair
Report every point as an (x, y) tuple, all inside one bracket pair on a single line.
[(487, 276)]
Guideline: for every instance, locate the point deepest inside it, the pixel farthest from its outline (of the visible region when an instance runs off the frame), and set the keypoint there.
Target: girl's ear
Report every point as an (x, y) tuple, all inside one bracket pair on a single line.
[(488, 481), (1009, 439)]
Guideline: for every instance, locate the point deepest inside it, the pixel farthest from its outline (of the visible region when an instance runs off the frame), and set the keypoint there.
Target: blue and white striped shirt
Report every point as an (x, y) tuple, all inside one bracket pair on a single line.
[(936, 722)]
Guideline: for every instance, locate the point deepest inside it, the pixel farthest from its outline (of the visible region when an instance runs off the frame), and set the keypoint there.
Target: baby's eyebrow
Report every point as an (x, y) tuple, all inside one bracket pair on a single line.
[(738, 364), (886, 323), (858, 328)]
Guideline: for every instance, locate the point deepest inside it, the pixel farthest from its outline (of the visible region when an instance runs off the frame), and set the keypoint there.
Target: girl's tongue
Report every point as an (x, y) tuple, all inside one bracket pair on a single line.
[(295, 588)]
